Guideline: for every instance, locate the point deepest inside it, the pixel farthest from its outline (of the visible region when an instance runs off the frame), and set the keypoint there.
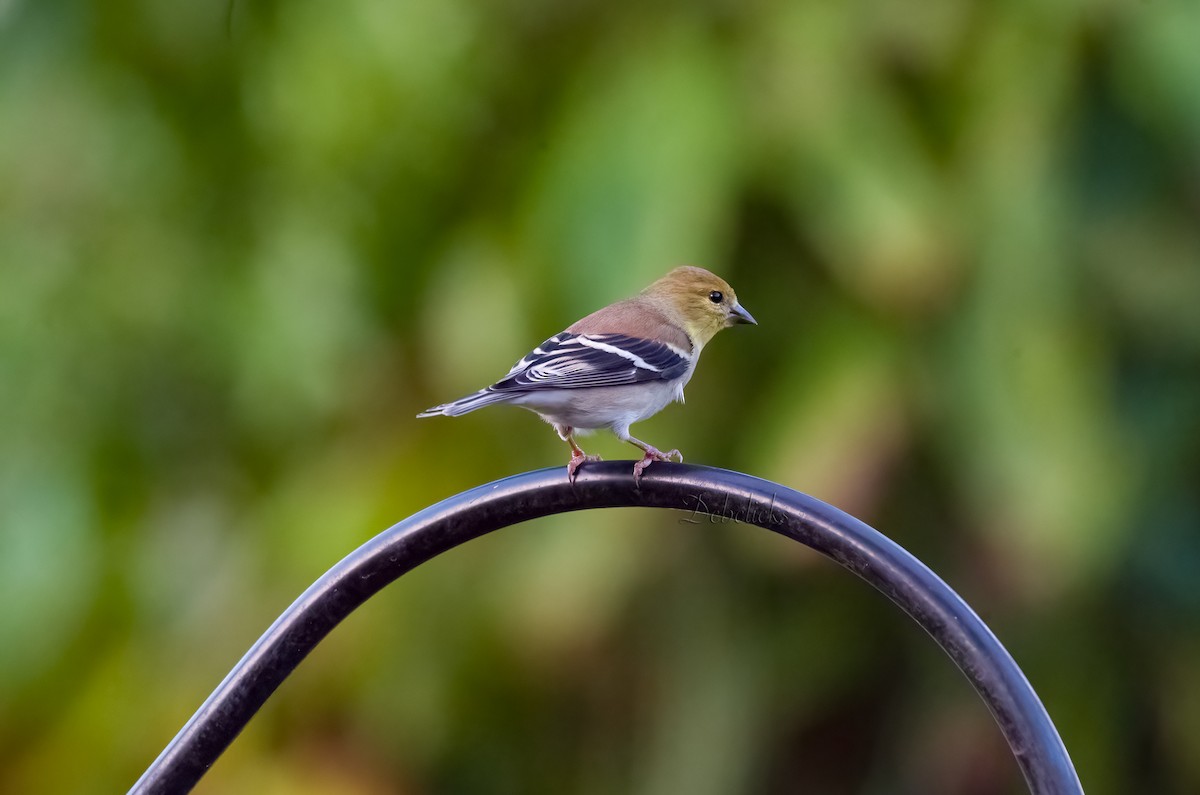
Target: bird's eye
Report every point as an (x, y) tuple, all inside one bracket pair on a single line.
[(716, 297)]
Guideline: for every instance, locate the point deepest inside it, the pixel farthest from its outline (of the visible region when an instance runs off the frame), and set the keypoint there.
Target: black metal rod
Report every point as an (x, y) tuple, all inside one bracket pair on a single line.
[(869, 554)]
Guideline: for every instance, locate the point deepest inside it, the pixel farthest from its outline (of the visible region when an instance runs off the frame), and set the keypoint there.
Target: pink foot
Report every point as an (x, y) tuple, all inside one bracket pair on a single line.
[(578, 459), (651, 456)]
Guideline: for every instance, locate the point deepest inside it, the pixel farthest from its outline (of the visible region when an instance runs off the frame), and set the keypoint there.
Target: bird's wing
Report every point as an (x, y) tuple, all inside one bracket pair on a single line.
[(575, 361)]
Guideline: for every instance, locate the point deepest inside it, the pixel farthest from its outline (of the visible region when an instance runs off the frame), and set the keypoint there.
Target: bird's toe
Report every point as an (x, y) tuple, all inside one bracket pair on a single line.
[(578, 460)]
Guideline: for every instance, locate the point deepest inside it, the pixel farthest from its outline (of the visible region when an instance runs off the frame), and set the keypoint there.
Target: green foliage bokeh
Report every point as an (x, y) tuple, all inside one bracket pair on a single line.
[(242, 245)]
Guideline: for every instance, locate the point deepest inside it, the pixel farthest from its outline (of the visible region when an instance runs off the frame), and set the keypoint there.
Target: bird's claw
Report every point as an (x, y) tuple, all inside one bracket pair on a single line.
[(651, 456), (578, 459)]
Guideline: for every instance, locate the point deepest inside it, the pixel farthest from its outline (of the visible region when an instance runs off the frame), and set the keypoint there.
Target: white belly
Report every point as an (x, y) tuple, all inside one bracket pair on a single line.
[(611, 407)]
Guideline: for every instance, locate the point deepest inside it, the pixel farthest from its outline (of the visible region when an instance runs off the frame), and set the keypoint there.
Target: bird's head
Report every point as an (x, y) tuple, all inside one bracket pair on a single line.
[(703, 301)]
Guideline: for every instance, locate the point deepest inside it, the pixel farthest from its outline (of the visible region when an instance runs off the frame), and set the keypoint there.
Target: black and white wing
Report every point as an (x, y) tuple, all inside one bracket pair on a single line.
[(576, 361)]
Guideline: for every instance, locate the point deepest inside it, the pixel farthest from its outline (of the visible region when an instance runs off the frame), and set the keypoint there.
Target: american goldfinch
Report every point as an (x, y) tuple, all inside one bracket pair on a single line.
[(618, 365)]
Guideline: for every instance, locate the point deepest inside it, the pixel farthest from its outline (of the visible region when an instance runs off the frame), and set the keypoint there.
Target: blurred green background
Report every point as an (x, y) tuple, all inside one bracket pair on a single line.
[(242, 245)]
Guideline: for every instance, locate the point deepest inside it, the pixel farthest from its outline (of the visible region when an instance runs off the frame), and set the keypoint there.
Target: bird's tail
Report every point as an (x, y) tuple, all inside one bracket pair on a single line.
[(484, 397)]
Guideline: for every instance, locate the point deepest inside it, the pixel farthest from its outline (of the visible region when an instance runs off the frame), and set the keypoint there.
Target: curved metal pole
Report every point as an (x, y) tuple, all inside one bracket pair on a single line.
[(869, 554)]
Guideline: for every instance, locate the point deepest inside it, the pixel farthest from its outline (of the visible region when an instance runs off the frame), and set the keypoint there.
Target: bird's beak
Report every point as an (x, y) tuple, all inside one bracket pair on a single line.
[(738, 314)]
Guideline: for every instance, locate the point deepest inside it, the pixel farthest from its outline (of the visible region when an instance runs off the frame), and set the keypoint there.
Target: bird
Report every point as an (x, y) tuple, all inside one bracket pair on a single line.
[(617, 366)]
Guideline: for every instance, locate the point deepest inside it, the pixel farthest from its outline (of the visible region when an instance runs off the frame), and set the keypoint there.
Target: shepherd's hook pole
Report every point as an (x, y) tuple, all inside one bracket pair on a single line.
[(872, 556)]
